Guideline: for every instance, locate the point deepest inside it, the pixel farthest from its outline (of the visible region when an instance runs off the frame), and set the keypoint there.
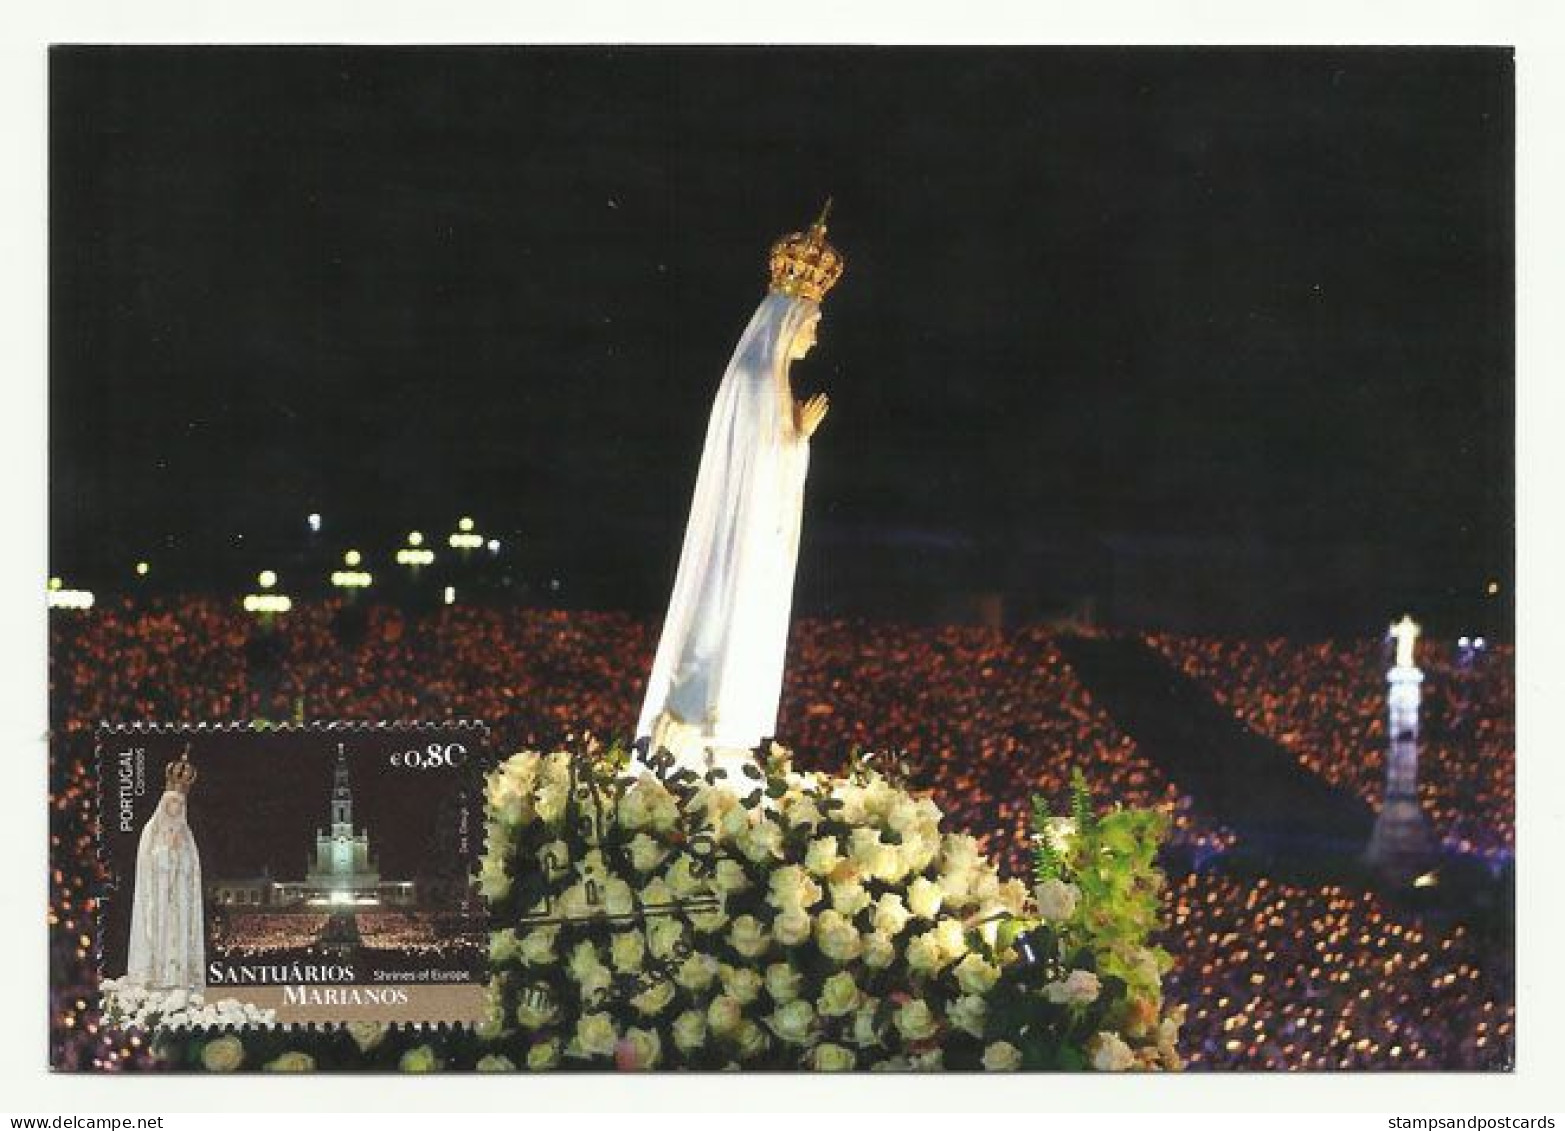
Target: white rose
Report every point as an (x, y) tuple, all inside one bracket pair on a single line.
[(618, 897), (851, 811), (976, 976), (680, 880), (968, 1014), (1080, 987), (645, 1048), (716, 802), (891, 914), (1002, 1056), (866, 1029), (924, 955), (537, 947), (709, 920), (665, 812), (917, 851), (509, 799), (635, 805), (590, 973), (794, 1022), (223, 1054), (952, 938), (290, 1061), (654, 999), (792, 889), (879, 951), (551, 803), (734, 824), (930, 1060), (902, 814), (831, 1058), (956, 889), (1056, 899), (730, 876), (1013, 897), (723, 1016), (874, 857), (839, 995), (763, 843), (803, 814), (696, 972), (369, 1034), (595, 1035), (923, 898), (748, 937), (849, 897), (626, 951), (752, 1040), (782, 982), (822, 856), (646, 853), (503, 946), (663, 935), (743, 985), (879, 797), (493, 880), (543, 1055), (791, 928), (494, 1062), (837, 937), (959, 853), (915, 1021), (690, 1030), (556, 767), (1110, 1054)]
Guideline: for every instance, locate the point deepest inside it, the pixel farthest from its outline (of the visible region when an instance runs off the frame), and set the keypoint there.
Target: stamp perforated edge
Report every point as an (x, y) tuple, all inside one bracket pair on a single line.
[(475, 773)]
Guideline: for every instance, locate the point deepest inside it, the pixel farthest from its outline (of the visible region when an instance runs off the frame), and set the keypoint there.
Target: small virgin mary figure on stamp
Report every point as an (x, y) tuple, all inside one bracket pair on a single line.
[(167, 935), (716, 679)]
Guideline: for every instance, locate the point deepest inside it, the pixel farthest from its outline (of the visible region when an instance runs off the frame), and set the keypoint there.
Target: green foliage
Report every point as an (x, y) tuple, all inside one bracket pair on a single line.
[(1047, 863), (1109, 863)]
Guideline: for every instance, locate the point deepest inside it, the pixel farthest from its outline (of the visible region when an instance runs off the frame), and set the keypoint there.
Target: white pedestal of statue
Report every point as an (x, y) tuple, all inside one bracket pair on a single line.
[(693, 749)]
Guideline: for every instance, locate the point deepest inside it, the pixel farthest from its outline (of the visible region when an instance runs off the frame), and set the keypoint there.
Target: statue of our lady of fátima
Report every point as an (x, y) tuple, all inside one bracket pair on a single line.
[(716, 678)]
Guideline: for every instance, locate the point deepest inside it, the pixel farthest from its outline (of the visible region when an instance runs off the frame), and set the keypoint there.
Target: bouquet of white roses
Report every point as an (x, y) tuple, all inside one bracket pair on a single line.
[(780, 920), (655, 919)]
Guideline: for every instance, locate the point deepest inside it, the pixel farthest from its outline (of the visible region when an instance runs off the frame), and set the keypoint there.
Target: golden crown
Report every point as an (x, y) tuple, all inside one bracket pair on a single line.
[(803, 264), (179, 775)]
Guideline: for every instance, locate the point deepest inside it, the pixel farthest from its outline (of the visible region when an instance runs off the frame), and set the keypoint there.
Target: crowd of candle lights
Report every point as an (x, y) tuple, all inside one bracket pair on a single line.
[(1274, 975), (1326, 702), (286, 935)]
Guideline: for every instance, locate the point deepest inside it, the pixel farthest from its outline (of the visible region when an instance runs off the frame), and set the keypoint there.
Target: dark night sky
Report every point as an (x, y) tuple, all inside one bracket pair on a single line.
[(1225, 293)]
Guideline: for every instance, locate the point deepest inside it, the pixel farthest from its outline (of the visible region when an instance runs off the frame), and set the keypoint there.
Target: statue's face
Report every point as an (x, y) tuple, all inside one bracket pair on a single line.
[(804, 339)]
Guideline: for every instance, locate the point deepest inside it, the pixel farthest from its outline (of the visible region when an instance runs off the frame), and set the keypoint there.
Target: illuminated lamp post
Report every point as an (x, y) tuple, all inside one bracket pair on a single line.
[(465, 539), (1402, 844), (62, 598), (415, 555), (267, 605), (352, 579)]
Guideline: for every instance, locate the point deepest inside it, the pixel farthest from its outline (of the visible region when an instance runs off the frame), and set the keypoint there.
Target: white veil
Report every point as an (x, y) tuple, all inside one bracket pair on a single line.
[(719, 662), (167, 939)]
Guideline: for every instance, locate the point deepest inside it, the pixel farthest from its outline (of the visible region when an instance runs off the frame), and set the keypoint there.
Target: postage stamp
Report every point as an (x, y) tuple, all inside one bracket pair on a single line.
[(318, 874)]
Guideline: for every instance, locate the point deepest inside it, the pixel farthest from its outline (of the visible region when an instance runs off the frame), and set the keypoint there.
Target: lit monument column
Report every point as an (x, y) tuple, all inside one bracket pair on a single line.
[(1402, 842)]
